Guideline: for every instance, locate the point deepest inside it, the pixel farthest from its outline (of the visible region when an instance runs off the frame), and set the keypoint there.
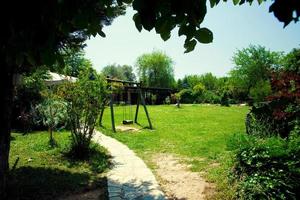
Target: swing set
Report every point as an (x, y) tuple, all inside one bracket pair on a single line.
[(129, 88)]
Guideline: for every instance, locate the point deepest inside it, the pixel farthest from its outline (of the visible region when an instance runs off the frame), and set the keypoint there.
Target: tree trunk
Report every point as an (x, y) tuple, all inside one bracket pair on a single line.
[(6, 96)]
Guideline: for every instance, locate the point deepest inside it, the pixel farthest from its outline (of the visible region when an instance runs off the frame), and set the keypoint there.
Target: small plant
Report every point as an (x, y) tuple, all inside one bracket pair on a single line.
[(53, 113), (267, 168), (168, 100), (153, 99)]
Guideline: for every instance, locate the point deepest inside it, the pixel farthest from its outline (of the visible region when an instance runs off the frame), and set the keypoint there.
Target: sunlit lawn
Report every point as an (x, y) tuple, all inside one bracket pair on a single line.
[(196, 133)]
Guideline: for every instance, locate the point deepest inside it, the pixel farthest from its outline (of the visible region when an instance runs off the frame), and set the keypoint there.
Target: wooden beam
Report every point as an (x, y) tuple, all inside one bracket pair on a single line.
[(111, 103), (137, 110), (145, 108)]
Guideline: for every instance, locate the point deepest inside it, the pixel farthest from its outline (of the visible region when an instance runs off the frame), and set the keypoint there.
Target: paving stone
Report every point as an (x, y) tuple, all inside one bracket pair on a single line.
[(130, 178), (114, 195), (115, 198)]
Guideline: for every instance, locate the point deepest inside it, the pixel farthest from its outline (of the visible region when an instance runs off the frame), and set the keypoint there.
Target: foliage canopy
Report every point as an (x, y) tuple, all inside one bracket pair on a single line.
[(156, 70)]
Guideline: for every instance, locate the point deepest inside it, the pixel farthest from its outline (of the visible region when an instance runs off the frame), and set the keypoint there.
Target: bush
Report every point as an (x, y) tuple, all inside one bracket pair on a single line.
[(267, 168), (260, 91), (224, 99), (153, 99), (168, 100), (210, 97), (198, 91), (186, 96), (282, 108), (85, 100), (53, 113), (26, 98)]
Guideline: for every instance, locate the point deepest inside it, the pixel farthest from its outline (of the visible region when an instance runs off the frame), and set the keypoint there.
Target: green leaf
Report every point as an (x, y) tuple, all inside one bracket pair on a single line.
[(137, 20), (204, 35), (235, 2), (160, 25), (189, 45), (148, 20), (138, 5), (101, 33), (164, 27), (188, 31), (212, 3), (165, 35), (260, 1)]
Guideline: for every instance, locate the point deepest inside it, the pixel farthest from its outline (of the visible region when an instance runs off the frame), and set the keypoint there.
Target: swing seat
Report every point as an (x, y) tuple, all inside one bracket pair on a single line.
[(127, 121)]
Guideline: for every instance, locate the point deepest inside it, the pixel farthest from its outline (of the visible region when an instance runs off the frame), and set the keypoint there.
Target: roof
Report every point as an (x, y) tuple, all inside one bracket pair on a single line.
[(59, 78)]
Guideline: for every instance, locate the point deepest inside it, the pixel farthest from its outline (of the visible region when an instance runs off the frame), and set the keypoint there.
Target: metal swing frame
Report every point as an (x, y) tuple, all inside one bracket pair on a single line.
[(140, 100)]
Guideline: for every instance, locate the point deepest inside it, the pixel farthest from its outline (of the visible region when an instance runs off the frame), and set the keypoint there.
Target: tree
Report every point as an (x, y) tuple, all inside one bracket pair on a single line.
[(128, 73), (124, 72), (27, 96), (209, 81), (38, 38), (190, 81), (74, 63), (291, 62), (156, 70), (253, 66), (46, 27)]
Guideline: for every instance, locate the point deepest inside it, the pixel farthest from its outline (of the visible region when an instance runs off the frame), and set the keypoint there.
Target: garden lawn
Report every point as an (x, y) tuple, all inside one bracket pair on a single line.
[(45, 173), (198, 134)]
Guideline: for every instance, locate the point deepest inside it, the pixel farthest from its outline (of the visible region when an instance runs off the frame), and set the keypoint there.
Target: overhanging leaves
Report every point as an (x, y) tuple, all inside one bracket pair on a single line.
[(189, 45), (204, 35)]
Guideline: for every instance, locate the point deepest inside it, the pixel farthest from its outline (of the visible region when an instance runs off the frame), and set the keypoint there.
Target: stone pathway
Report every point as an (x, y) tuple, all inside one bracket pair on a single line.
[(130, 178)]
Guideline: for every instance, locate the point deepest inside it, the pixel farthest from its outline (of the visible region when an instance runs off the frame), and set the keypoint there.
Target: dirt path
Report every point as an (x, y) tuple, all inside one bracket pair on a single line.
[(178, 182)]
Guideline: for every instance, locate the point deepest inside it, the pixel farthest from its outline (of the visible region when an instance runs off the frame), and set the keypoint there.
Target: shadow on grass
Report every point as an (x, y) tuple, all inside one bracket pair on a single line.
[(98, 160), (36, 183)]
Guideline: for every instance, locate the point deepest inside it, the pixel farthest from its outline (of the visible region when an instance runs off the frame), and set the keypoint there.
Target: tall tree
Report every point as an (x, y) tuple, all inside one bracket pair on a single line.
[(253, 66), (156, 70), (209, 81), (34, 34), (127, 70), (74, 62), (124, 72), (291, 62)]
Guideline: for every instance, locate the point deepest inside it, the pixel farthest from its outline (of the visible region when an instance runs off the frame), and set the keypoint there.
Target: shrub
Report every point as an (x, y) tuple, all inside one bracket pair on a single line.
[(260, 91), (186, 96), (168, 100), (85, 99), (224, 99), (283, 106), (153, 99), (198, 91), (26, 98), (210, 97), (267, 168)]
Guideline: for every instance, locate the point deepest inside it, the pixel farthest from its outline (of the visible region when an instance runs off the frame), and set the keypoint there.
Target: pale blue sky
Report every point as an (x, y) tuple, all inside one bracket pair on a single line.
[(234, 27)]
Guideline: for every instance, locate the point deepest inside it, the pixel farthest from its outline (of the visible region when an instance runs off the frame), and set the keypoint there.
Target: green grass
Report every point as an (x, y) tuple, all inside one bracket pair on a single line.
[(44, 172), (196, 133)]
